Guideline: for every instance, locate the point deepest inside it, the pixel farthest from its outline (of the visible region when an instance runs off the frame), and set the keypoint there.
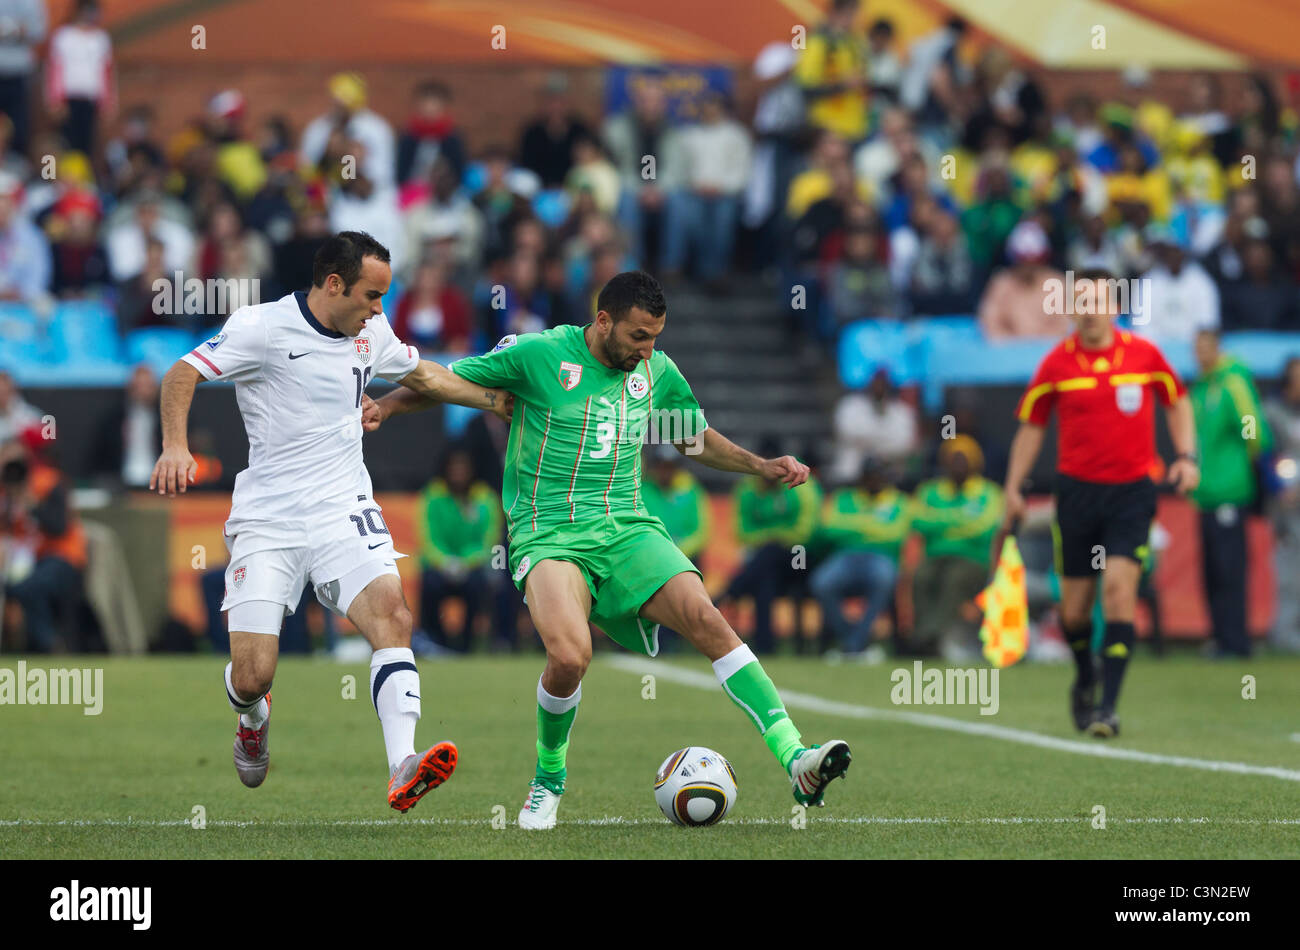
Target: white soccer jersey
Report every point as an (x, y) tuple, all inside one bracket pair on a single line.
[(299, 390)]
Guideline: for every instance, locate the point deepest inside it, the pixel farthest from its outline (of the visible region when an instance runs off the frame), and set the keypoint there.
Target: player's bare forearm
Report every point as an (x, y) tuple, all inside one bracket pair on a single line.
[(717, 451), (176, 394), (435, 382), (175, 467)]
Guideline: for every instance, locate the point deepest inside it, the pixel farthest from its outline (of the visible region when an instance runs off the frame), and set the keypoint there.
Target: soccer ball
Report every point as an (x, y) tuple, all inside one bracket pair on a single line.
[(695, 786)]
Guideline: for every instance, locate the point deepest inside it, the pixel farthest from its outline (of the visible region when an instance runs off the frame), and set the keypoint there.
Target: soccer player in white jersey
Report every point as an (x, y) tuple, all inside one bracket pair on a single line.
[(303, 510)]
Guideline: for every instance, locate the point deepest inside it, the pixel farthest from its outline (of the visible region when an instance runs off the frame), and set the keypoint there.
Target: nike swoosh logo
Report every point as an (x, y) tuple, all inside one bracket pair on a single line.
[(411, 694), (295, 356), (379, 545)]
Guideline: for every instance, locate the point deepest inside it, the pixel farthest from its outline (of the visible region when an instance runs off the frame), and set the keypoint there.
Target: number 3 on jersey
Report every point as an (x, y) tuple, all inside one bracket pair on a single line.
[(604, 438)]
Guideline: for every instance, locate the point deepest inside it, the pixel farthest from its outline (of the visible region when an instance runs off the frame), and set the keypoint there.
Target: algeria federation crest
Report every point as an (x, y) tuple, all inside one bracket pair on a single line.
[(637, 386), (363, 349), (570, 374)]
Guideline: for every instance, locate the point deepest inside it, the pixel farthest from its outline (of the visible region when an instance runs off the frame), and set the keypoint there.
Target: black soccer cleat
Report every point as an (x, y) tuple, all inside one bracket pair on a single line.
[(1104, 725), (1083, 705)]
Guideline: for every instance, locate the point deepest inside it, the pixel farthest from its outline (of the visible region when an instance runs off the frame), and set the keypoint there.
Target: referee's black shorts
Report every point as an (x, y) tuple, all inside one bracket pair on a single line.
[(1095, 517)]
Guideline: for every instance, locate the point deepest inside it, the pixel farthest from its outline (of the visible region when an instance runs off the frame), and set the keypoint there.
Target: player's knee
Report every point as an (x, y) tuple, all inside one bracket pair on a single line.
[(252, 678), (1074, 616), (570, 663), (395, 629), (703, 616)]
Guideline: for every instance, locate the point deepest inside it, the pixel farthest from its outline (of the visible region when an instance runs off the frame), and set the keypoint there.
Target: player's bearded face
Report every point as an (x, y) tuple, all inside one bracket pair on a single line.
[(632, 339)]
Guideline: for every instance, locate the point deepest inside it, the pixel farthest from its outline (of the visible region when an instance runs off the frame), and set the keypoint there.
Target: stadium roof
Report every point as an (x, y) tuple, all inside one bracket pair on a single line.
[(1055, 33)]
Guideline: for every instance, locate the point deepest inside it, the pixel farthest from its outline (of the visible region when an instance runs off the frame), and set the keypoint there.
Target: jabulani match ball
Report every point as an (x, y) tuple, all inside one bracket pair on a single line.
[(695, 786)]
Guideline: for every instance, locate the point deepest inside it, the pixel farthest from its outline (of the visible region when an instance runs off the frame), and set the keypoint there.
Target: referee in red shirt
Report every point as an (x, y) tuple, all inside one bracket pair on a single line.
[(1104, 384)]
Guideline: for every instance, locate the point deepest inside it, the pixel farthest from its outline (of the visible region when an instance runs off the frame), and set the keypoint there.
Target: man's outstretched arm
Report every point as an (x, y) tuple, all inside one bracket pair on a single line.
[(717, 451), (175, 468), (428, 385)]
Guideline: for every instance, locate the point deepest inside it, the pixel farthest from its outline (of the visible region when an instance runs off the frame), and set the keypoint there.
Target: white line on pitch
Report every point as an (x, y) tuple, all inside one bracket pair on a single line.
[(611, 821), (817, 704)]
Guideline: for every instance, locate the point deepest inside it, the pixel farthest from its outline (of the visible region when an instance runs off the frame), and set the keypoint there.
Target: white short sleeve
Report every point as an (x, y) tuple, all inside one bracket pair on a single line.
[(395, 359), (236, 353)]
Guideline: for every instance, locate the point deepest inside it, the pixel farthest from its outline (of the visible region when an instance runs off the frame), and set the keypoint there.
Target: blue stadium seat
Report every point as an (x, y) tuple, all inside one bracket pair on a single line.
[(23, 346), (867, 345), (159, 347), (83, 334)]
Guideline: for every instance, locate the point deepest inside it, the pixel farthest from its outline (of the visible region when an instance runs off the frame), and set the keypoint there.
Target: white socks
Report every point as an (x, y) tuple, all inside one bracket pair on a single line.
[(395, 692), (251, 715)]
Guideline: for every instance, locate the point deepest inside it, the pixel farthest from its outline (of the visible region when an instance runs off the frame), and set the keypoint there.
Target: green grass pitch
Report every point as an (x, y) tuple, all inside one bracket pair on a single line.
[(125, 784)]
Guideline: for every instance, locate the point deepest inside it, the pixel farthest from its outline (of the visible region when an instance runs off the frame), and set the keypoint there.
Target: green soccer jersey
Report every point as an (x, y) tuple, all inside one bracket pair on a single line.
[(574, 452)]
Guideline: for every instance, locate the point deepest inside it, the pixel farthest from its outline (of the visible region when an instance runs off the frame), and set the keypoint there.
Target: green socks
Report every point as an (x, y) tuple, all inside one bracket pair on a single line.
[(555, 716), (743, 679)]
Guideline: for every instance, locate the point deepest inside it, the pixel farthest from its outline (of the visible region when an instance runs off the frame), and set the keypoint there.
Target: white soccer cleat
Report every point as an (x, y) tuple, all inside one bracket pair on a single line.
[(813, 769), (253, 750), (539, 808)]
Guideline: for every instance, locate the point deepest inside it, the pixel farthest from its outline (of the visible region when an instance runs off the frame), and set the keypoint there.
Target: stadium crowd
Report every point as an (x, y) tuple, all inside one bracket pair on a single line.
[(885, 181)]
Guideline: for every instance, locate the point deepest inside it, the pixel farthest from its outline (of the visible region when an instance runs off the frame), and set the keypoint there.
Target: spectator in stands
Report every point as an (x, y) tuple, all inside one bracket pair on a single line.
[(432, 314), (1177, 299), (912, 184), (1006, 98), (293, 259), (459, 523), (127, 241), (956, 515), (517, 303), (44, 545), (594, 173), (633, 135), (827, 163), (885, 66), (674, 496), (1231, 432), (1094, 248), (499, 202), (445, 215), (933, 82), (24, 252), (778, 128), (349, 116), (137, 296), (1283, 414), (874, 423), (1016, 300), (22, 30), (1280, 208), (80, 264), (943, 277), (430, 133), (358, 202), (702, 216), (832, 72), (877, 163), (1243, 222), (770, 521), (236, 160), (864, 526), (858, 285), (16, 413), (1263, 299), (11, 162), (128, 438), (79, 77), (224, 226), (134, 151), (989, 221), (546, 146)]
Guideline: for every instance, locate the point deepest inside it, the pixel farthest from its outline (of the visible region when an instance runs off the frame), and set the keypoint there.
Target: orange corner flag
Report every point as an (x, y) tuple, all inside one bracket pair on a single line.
[(1005, 630)]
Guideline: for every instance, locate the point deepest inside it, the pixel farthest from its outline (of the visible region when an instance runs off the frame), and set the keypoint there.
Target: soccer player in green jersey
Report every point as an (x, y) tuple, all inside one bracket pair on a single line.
[(582, 544)]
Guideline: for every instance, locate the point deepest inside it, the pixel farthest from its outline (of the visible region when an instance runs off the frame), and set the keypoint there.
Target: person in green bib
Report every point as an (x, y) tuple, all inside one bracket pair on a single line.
[(584, 547), (775, 526), (458, 523), (676, 497), (956, 515), (863, 526)]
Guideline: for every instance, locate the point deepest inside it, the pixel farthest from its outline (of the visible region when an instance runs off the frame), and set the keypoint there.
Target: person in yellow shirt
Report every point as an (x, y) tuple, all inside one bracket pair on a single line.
[(832, 72)]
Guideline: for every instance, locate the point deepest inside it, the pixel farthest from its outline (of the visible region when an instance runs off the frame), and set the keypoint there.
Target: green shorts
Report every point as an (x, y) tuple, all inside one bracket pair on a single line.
[(624, 560)]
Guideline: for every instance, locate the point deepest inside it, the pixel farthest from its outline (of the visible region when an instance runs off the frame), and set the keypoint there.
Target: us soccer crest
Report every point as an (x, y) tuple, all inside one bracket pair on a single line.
[(570, 374), (238, 577), (363, 349), (637, 386)]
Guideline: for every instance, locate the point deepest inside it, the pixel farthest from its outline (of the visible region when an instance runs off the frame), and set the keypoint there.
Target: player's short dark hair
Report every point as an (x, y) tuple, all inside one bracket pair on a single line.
[(632, 288), (342, 254)]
